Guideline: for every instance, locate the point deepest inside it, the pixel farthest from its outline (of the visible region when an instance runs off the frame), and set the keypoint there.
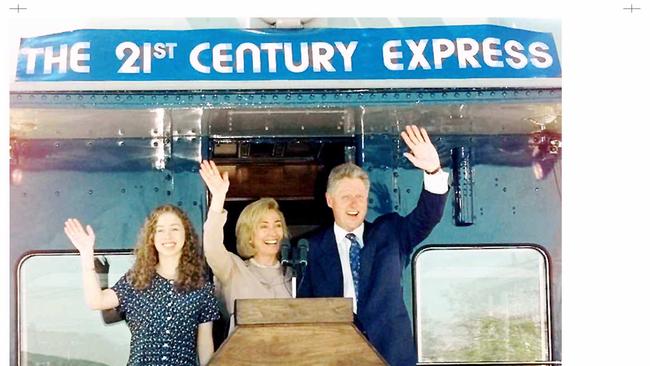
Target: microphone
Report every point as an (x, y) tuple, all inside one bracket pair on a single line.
[(303, 249), (285, 246)]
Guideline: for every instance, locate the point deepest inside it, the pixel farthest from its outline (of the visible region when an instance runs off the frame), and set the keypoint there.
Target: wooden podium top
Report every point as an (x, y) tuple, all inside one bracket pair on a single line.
[(293, 311), (316, 331)]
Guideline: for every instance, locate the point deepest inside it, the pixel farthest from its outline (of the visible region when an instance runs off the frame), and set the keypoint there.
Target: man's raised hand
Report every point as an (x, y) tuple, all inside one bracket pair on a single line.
[(423, 154)]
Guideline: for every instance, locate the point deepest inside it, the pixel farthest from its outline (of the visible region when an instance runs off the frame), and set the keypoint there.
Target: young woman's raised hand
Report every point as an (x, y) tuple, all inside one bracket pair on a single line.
[(83, 240), (217, 183)]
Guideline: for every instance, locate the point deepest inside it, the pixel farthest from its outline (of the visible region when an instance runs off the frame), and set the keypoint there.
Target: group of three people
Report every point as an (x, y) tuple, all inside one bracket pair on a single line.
[(169, 305)]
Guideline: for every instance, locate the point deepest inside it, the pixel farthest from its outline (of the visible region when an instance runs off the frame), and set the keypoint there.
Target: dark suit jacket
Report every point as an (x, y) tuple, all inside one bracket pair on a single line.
[(388, 243)]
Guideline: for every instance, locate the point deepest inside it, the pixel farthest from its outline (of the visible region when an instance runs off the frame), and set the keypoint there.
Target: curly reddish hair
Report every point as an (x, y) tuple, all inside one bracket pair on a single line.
[(191, 267)]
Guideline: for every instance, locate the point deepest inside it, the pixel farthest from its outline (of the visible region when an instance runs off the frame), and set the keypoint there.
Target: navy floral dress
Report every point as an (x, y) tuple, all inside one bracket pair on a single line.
[(164, 321)]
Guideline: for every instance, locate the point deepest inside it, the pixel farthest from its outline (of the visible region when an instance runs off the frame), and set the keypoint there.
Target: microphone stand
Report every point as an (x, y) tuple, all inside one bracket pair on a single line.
[(296, 258)]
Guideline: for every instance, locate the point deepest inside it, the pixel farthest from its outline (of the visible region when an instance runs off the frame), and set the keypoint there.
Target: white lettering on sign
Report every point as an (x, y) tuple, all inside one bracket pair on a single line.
[(221, 58), (541, 59), (249, 57), (194, 58), (271, 50), (468, 53), (516, 59), (418, 54), (74, 58), (138, 58), (346, 52), (77, 56), (442, 49), (294, 57), (392, 55), (255, 57), (491, 55), (467, 50)]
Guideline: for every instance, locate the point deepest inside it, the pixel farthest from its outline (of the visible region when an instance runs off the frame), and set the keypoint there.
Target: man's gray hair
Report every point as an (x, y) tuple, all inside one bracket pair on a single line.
[(346, 170)]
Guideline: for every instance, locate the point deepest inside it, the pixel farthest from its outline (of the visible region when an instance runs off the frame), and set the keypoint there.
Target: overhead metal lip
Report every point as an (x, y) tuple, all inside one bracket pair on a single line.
[(273, 122)]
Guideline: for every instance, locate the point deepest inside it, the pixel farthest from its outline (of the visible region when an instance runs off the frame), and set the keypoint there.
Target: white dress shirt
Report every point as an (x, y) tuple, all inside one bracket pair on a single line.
[(434, 183), (343, 244)]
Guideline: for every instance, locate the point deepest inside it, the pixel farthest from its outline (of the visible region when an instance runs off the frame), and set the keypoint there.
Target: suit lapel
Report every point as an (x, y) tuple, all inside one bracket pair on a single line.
[(367, 257), (332, 262)]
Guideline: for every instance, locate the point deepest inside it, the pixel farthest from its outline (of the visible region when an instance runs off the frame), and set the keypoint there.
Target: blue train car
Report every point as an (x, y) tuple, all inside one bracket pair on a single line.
[(106, 124)]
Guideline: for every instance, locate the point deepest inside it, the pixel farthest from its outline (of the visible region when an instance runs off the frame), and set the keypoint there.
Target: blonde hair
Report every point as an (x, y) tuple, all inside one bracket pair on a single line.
[(249, 218), (191, 267), (346, 170)]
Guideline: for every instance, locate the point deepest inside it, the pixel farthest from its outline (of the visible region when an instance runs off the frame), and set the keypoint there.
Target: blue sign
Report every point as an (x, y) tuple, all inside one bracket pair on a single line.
[(437, 52)]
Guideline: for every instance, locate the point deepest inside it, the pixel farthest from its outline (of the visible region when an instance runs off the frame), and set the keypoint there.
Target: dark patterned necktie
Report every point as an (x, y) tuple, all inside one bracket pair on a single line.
[(355, 261)]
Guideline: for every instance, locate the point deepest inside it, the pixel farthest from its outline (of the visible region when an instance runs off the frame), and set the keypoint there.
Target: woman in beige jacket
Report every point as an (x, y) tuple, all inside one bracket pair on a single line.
[(259, 230)]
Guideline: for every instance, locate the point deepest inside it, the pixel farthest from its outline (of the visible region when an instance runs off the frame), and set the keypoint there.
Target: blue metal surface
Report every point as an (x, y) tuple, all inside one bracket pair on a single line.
[(113, 186), (511, 205), (315, 98)]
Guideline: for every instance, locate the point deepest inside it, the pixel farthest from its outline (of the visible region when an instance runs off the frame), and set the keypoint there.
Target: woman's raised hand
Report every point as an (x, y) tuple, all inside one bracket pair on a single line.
[(217, 183), (83, 240)]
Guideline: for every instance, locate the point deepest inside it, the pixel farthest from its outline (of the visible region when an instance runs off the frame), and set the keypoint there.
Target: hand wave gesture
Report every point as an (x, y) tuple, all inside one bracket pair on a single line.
[(217, 183), (423, 154), (83, 240)]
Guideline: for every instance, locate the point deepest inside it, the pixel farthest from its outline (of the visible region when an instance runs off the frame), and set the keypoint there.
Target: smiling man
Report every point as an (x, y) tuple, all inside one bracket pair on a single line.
[(364, 261)]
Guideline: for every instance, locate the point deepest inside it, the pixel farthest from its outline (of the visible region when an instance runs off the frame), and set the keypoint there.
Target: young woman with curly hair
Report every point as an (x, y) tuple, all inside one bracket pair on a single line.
[(167, 302), (256, 273)]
